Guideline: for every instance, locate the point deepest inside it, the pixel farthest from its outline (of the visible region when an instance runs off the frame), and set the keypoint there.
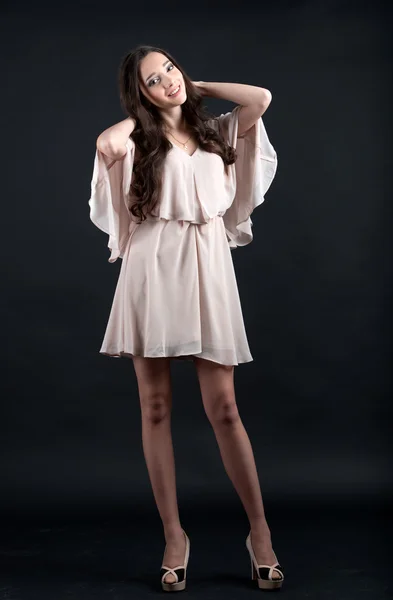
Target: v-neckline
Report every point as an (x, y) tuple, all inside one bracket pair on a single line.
[(184, 152)]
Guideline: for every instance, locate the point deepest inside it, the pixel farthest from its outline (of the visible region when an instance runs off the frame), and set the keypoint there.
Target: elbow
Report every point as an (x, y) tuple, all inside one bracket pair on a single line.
[(265, 101), (114, 151), (266, 97), (101, 142)]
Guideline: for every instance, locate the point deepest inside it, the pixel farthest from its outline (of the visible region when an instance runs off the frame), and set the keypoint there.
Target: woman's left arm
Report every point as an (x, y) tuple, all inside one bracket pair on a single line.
[(253, 100)]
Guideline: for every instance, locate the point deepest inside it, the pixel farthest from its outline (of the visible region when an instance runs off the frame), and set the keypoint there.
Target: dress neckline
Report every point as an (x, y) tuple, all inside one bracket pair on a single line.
[(184, 152)]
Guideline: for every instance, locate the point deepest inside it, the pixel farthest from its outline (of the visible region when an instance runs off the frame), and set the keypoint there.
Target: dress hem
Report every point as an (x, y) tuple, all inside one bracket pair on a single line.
[(189, 357)]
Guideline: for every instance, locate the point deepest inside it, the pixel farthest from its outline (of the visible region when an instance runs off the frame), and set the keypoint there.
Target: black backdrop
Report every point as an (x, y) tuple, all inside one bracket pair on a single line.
[(315, 284)]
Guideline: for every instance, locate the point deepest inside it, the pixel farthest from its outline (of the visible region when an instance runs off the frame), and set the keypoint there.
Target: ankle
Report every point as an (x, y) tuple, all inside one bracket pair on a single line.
[(260, 527), (173, 531)]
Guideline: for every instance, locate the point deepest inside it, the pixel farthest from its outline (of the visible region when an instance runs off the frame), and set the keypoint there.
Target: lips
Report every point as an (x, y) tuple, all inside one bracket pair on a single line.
[(171, 95)]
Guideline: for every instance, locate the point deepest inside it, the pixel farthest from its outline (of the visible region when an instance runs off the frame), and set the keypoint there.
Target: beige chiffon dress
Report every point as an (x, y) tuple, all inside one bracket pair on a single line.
[(177, 295)]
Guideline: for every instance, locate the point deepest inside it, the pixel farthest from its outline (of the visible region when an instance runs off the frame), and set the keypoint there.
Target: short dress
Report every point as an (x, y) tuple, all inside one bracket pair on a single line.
[(176, 294)]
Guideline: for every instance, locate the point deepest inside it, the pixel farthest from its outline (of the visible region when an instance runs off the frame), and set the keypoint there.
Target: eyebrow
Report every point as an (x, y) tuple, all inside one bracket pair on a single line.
[(163, 64)]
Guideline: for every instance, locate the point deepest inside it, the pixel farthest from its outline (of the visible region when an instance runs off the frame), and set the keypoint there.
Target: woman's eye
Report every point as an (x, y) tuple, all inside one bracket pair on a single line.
[(152, 81)]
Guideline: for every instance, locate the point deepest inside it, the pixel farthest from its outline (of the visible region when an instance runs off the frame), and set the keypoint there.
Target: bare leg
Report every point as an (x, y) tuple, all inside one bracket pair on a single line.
[(219, 401), (154, 385)]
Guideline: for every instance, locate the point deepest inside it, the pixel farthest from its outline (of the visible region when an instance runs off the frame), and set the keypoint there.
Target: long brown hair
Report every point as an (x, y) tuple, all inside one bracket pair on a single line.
[(148, 135)]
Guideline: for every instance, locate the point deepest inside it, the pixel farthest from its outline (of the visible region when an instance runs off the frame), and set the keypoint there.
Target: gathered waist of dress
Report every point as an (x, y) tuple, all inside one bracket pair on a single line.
[(182, 219)]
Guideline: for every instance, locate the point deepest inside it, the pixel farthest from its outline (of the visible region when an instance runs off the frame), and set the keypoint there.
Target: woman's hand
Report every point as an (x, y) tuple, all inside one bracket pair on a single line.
[(199, 86)]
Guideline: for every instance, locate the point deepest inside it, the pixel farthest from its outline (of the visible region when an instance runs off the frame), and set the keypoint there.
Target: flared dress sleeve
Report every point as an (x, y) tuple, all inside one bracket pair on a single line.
[(252, 173), (110, 186)]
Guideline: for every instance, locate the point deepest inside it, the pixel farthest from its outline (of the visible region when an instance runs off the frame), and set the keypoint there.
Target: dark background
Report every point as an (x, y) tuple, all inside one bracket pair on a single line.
[(315, 283)]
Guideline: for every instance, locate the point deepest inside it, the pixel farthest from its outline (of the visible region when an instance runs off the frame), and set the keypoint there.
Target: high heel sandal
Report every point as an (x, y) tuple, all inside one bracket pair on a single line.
[(180, 583), (263, 573)]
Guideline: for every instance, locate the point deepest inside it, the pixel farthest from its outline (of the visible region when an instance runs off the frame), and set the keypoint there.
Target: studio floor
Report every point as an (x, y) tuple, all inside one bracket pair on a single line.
[(327, 553)]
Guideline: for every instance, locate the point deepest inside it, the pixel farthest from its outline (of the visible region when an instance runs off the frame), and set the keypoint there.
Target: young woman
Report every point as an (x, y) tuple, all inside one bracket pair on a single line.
[(174, 189)]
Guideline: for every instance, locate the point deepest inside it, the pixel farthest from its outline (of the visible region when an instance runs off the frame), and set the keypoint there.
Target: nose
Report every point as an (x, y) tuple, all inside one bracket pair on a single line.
[(167, 81)]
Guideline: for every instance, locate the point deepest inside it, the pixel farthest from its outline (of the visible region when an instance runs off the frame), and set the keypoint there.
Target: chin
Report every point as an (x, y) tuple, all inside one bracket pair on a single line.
[(182, 99)]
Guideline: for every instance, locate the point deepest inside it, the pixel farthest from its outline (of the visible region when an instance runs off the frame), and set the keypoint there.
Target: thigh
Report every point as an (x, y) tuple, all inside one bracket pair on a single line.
[(154, 381), (216, 382)]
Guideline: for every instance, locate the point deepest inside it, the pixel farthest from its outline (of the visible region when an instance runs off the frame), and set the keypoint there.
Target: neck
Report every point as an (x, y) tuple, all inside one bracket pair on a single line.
[(173, 119)]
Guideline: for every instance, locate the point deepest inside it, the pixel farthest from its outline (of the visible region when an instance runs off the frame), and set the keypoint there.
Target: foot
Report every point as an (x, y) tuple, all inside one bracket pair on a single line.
[(174, 554), (262, 546)]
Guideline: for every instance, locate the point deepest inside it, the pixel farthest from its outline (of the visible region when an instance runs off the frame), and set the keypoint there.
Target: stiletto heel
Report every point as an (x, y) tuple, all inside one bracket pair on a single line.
[(181, 577), (253, 571), (263, 573)]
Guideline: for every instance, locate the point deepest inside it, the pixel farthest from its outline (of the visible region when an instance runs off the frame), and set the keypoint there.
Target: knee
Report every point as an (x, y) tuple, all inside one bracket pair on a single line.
[(155, 406), (223, 410)]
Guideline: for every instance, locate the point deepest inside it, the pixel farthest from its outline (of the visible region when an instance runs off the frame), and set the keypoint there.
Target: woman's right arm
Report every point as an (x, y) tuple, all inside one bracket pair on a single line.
[(112, 141)]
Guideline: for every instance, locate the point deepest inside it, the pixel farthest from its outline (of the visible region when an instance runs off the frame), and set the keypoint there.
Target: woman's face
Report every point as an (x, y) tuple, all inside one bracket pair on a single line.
[(159, 78)]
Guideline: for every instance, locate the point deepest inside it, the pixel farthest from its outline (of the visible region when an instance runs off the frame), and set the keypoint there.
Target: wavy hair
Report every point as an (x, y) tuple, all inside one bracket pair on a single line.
[(148, 135)]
